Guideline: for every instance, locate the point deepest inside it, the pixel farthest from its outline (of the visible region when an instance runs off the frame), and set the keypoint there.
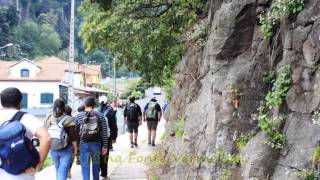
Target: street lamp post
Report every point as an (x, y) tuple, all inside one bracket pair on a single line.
[(115, 76), (7, 45)]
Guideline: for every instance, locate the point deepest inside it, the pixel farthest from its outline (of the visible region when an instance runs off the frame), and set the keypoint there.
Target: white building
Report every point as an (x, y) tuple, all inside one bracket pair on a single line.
[(43, 81)]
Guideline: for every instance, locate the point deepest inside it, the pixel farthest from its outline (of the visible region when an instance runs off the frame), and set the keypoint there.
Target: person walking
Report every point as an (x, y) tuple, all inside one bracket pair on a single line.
[(61, 128), (17, 124), (68, 111), (132, 117), (109, 114), (152, 114), (93, 132)]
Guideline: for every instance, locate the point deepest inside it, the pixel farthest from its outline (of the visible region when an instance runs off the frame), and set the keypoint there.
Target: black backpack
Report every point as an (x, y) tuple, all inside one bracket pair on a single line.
[(132, 112), (89, 128)]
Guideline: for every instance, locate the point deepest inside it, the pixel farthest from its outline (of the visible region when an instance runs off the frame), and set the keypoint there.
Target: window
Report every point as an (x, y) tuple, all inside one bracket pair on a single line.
[(46, 98), (24, 73)]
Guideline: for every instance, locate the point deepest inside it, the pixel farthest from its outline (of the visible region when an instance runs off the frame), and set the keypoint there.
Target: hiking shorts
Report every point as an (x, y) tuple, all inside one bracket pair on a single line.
[(152, 124), (133, 127)]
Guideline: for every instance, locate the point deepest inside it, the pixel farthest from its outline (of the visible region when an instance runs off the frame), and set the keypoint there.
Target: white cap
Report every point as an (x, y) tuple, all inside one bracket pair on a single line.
[(103, 99)]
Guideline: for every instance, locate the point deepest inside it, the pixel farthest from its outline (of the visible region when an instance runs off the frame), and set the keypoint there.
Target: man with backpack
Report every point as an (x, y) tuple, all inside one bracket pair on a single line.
[(19, 159), (132, 117), (152, 113), (93, 132), (109, 113)]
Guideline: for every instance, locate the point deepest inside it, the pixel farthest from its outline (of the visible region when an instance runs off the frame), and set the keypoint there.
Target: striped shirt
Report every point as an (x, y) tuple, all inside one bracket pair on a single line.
[(102, 125)]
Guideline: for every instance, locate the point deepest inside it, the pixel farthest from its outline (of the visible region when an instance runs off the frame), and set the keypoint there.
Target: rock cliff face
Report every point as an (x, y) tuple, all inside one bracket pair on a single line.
[(230, 69)]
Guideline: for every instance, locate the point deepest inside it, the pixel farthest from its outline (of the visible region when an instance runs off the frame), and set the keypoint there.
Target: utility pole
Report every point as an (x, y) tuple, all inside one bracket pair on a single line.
[(115, 76), (71, 58), (17, 4)]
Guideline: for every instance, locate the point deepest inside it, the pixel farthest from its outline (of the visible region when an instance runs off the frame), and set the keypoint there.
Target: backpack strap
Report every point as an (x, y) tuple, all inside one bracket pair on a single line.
[(106, 111), (17, 117), (60, 124)]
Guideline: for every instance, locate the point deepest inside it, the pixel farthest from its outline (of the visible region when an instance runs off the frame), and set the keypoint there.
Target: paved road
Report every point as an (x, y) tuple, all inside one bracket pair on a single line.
[(125, 162)]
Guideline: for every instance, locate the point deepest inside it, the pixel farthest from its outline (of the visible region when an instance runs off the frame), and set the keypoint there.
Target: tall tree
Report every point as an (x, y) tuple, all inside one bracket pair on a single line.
[(144, 35)]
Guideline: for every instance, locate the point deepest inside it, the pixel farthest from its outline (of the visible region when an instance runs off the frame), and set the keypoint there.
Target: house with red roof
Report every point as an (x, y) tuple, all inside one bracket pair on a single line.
[(43, 81)]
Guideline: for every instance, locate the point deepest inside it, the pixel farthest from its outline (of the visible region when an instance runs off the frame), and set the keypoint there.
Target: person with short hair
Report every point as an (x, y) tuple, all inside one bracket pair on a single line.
[(152, 114), (11, 99), (93, 132), (63, 156), (132, 117), (109, 113)]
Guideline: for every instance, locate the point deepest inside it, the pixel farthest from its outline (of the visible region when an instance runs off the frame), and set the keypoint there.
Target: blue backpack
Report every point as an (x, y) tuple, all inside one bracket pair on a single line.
[(17, 152)]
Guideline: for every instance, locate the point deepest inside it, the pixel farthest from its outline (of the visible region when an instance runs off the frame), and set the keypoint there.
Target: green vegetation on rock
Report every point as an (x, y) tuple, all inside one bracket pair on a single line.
[(279, 9)]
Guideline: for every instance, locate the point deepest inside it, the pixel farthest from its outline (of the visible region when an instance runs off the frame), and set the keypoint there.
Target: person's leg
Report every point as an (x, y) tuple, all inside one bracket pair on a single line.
[(85, 161), (130, 131), (103, 165), (55, 159), (65, 158), (104, 161), (135, 129), (154, 132), (149, 132), (95, 151)]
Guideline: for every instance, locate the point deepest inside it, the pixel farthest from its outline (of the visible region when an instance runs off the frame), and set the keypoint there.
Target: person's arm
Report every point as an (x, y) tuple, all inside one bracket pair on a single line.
[(125, 115), (113, 125), (160, 112), (104, 135), (140, 115), (45, 141)]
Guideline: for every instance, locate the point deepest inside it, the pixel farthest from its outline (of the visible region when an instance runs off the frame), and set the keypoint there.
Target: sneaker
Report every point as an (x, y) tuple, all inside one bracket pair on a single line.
[(135, 144)]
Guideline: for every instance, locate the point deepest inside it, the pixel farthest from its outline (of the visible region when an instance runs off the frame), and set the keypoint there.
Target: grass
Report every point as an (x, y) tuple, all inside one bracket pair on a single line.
[(48, 162)]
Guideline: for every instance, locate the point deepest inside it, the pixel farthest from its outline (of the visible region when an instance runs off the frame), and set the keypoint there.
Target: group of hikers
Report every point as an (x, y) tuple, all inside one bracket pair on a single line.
[(86, 135)]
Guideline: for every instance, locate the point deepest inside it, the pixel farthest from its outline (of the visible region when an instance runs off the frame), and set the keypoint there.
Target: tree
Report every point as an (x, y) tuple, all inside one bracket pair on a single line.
[(37, 40), (145, 35)]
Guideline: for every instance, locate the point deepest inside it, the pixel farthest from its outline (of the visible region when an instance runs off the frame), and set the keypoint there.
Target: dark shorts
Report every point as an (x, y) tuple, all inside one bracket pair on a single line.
[(133, 127), (152, 124)]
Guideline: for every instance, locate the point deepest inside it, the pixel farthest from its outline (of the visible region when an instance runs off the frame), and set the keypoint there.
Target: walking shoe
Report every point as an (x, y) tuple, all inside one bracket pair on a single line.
[(135, 144)]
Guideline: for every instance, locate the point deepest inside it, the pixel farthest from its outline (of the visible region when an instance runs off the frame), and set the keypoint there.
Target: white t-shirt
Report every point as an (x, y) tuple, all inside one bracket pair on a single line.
[(31, 124)]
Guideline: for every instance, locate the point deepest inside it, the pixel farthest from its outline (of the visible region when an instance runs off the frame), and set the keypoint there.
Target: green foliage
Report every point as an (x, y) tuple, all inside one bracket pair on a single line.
[(309, 175), (315, 157), (136, 89), (37, 39), (225, 175), (8, 20), (224, 160), (179, 127), (244, 139), (146, 35), (280, 87), (169, 85), (272, 126), (48, 162), (267, 23), (279, 9)]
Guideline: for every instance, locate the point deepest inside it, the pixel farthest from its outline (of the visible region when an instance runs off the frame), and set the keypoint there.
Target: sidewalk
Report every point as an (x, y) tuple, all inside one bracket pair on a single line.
[(124, 163)]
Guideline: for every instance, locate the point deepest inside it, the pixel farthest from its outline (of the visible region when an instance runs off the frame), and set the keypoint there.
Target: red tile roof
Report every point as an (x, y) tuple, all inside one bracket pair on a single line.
[(51, 69)]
